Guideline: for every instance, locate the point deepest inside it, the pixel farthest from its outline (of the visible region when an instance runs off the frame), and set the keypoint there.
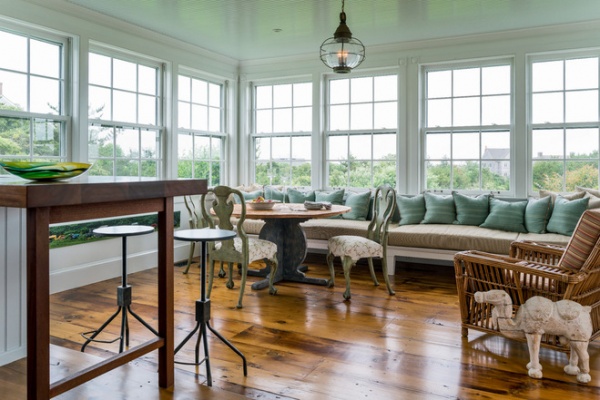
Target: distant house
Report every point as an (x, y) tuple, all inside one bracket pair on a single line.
[(497, 161)]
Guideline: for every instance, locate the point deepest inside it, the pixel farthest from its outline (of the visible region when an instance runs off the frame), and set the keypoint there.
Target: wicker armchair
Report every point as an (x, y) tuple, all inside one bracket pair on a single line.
[(534, 269)]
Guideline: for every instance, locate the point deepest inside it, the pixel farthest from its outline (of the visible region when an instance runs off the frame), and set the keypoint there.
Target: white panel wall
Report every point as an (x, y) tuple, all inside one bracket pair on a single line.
[(12, 285)]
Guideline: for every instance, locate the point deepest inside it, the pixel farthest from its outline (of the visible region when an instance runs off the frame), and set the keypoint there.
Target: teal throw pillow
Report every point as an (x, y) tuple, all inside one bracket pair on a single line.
[(359, 202), (335, 197), (296, 196), (274, 194), (248, 196), (566, 214), (439, 209), (471, 210), (537, 214), (506, 216), (411, 209)]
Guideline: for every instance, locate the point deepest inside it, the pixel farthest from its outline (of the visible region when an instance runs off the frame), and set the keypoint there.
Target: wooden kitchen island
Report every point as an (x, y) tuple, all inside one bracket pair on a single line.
[(88, 198)]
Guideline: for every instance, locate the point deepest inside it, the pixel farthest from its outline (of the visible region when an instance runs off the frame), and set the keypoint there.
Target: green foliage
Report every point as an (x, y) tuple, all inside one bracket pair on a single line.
[(550, 175), (72, 234), (464, 177), (14, 136), (281, 173)]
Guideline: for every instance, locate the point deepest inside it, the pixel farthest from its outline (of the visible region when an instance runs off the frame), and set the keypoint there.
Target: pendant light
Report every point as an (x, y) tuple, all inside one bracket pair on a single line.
[(342, 52)]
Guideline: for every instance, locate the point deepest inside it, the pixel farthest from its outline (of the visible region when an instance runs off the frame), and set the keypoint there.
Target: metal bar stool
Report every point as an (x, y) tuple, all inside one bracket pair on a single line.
[(203, 304), (123, 291)]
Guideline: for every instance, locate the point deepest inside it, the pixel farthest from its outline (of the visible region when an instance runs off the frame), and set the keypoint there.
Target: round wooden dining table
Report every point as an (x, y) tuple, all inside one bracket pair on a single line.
[(282, 227)]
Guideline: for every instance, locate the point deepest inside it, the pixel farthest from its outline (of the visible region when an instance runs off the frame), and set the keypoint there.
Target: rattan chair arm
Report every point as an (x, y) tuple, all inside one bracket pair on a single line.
[(519, 266), (542, 248)]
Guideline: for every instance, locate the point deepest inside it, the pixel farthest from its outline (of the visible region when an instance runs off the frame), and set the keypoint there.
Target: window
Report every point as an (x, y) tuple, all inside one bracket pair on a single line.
[(125, 117), (33, 118), (201, 130), (564, 123), (467, 127), (362, 130), (282, 134)]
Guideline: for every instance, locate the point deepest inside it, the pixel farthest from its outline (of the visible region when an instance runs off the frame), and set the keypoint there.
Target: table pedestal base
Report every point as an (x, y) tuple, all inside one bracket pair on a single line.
[(290, 239)]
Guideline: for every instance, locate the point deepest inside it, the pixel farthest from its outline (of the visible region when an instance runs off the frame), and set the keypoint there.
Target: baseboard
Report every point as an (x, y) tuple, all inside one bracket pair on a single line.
[(13, 355), (101, 270)]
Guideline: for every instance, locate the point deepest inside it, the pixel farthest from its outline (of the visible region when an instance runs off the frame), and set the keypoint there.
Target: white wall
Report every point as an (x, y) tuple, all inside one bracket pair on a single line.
[(12, 285)]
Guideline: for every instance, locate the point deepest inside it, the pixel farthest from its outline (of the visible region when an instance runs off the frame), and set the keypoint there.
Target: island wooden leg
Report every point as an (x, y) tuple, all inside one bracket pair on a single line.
[(166, 302), (38, 306)]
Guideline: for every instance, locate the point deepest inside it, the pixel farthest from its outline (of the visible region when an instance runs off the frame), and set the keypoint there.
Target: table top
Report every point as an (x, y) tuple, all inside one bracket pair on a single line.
[(21, 193), (290, 210), (124, 230), (203, 235)]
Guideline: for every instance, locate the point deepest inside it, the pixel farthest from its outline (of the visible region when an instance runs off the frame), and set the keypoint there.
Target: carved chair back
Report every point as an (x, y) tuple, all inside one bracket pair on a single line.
[(223, 200), (384, 204)]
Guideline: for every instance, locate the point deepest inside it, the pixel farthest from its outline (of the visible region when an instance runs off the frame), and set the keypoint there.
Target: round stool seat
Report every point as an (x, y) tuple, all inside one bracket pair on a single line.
[(123, 230), (204, 235)]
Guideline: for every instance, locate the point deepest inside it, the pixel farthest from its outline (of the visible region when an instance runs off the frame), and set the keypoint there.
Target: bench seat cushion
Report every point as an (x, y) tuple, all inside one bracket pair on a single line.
[(434, 236), (549, 238), (452, 237), (325, 228)]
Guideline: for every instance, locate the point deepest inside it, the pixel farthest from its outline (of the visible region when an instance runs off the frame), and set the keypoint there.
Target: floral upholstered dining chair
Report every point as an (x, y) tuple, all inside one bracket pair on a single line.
[(241, 250), (353, 248)]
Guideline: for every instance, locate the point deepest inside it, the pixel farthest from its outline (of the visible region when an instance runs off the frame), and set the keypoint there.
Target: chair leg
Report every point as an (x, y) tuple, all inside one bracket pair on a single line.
[(222, 272), (331, 281), (273, 265), (229, 283), (242, 283), (211, 276), (372, 271), (347, 264), (386, 277), (189, 263)]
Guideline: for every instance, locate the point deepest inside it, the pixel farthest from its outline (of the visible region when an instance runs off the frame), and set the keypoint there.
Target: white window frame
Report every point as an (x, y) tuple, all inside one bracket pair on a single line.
[(114, 125), (254, 135), (479, 129), (359, 132), (531, 126), (221, 135), (63, 118)]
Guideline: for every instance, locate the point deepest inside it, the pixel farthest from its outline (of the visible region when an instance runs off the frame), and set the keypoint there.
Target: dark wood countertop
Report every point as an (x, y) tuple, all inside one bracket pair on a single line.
[(88, 190)]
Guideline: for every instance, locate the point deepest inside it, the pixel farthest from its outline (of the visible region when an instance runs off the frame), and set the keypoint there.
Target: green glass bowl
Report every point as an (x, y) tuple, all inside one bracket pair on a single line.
[(42, 171)]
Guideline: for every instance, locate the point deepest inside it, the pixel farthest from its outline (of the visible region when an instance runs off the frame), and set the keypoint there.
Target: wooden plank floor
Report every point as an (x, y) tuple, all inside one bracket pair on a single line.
[(307, 343)]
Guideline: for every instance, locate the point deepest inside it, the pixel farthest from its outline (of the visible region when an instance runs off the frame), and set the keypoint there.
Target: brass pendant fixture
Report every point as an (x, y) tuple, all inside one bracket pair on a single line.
[(342, 52)]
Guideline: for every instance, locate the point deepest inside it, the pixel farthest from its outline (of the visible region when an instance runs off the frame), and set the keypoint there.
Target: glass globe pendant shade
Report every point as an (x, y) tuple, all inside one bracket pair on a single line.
[(342, 52), (342, 55)]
